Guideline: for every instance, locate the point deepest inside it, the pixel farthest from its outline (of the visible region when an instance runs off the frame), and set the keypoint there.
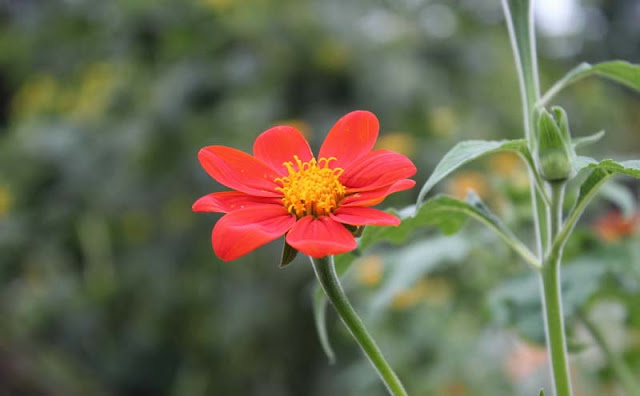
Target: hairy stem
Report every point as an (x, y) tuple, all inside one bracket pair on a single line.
[(326, 274), (552, 298)]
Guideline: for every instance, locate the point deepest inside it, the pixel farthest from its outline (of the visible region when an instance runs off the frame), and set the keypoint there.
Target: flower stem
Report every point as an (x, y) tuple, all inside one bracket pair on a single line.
[(552, 298), (326, 274)]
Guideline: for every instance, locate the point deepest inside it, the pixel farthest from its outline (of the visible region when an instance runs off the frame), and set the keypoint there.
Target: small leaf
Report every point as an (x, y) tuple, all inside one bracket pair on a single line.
[(288, 255), (622, 72), (586, 140), (628, 168), (602, 171), (465, 152), (541, 392)]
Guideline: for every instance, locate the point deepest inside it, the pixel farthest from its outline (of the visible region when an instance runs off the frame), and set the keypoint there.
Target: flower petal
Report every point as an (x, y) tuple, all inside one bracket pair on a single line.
[(377, 169), (278, 145), (364, 216), (374, 197), (353, 136), (228, 201), (320, 237), (239, 171), (239, 232)]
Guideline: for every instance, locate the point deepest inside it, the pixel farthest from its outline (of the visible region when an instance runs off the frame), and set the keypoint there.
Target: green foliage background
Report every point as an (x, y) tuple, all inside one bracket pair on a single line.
[(108, 284)]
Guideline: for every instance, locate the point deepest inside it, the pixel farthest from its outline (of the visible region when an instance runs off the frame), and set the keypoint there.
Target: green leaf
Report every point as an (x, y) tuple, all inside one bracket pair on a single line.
[(629, 168), (288, 255), (465, 152), (586, 140), (541, 392), (519, 17), (449, 214), (602, 171), (622, 72)]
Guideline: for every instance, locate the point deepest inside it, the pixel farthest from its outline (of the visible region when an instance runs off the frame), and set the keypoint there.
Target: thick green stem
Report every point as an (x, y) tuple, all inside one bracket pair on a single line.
[(622, 371), (326, 274), (552, 299)]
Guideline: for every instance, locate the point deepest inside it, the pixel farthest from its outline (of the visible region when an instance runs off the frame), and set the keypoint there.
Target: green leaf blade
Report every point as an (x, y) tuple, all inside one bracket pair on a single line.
[(622, 72), (465, 152)]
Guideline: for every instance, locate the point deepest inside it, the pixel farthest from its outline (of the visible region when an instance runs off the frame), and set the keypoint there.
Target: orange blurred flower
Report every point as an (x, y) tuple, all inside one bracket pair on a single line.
[(612, 227), (462, 182), (369, 270), (524, 360), (399, 142)]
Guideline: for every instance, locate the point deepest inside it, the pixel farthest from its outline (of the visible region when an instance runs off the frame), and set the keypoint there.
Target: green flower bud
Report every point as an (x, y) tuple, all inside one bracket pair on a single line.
[(554, 152)]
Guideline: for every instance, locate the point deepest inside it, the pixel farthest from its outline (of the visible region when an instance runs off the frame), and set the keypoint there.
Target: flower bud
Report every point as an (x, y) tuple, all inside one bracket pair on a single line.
[(554, 152)]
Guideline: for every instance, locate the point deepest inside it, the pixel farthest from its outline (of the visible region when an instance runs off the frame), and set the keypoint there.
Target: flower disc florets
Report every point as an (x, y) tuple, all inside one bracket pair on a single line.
[(311, 188)]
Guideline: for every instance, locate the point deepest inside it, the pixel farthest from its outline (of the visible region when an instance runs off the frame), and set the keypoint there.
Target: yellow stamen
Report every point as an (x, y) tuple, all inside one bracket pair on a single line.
[(312, 188)]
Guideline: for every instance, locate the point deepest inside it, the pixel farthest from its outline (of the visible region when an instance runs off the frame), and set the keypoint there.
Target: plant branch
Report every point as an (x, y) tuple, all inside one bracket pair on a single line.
[(326, 274)]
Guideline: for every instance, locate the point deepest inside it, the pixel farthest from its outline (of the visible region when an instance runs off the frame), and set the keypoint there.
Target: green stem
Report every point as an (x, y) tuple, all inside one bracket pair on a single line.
[(519, 17), (552, 299), (622, 371), (326, 274)]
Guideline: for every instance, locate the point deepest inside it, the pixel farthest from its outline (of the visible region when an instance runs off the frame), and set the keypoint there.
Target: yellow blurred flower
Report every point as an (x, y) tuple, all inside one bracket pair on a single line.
[(369, 270), (433, 291), (34, 96), (96, 86), (331, 55), (505, 164), (300, 125), (436, 291), (6, 200), (406, 298), (443, 121), (462, 182), (399, 142)]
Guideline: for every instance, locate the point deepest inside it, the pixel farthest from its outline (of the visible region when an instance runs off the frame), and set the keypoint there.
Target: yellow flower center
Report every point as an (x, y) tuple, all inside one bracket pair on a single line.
[(312, 188)]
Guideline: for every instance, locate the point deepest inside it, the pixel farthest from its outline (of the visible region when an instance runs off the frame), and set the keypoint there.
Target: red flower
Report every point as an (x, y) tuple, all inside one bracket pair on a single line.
[(284, 189)]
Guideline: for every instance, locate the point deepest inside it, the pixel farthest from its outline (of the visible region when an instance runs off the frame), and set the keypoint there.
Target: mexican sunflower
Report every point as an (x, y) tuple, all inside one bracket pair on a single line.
[(315, 201)]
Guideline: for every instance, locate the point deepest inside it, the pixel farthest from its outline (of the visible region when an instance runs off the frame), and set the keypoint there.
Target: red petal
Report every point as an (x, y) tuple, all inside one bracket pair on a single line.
[(350, 138), (239, 232), (364, 216), (320, 237), (377, 169), (374, 197), (239, 171), (228, 201), (278, 145)]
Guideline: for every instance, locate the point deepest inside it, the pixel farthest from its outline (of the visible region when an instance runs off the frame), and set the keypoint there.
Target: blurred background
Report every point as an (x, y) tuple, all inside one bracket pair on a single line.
[(108, 283)]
